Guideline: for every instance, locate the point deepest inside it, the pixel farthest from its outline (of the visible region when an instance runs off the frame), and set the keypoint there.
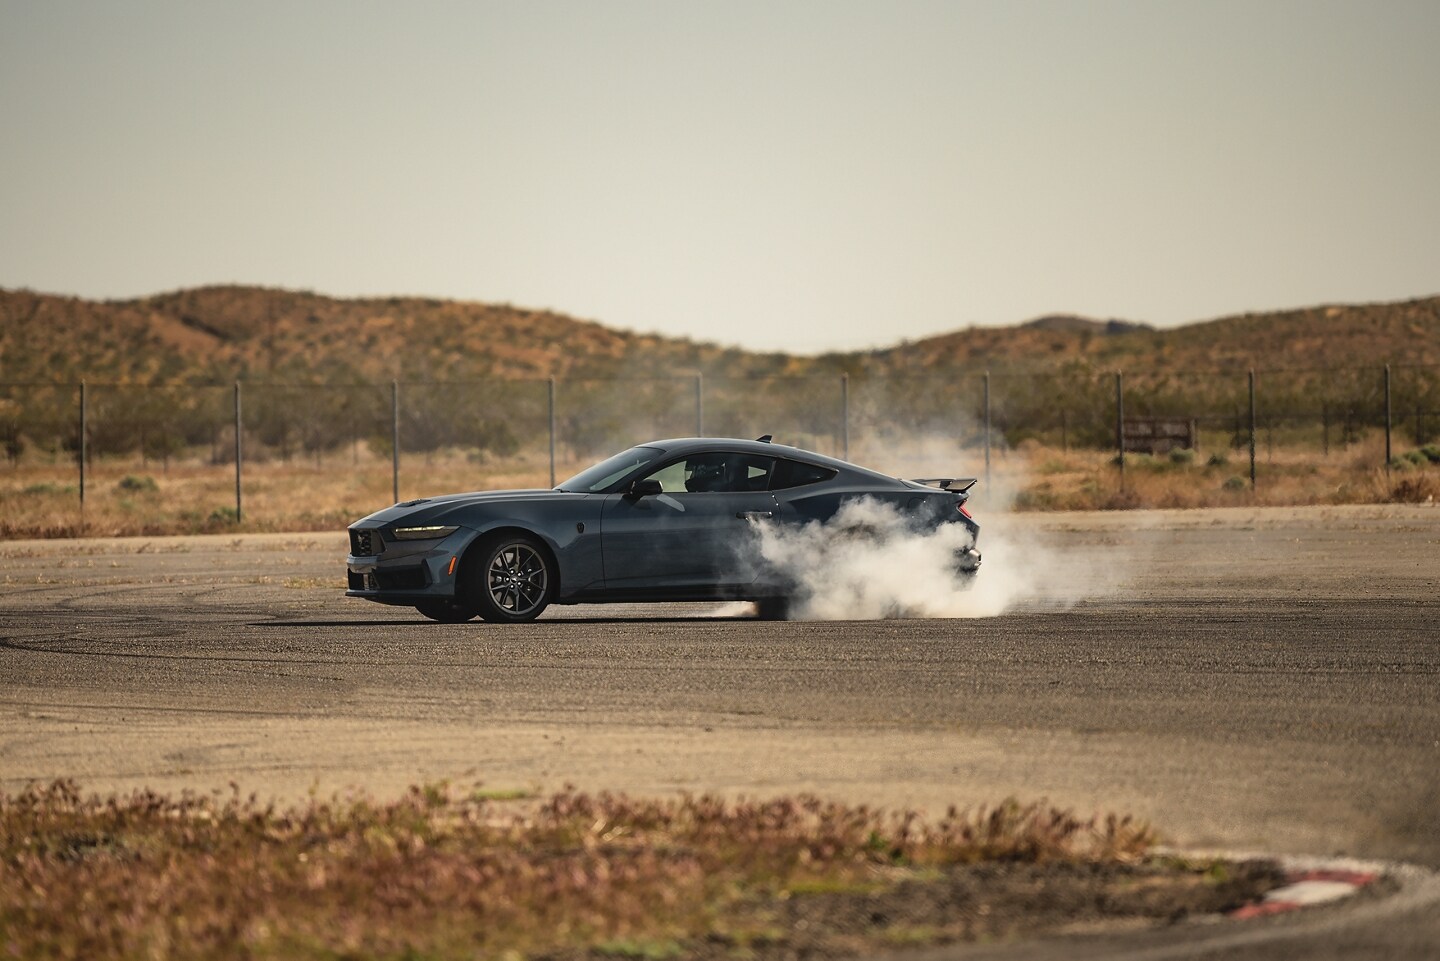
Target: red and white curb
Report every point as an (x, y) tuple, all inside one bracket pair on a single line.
[(1411, 891), (1306, 887), (1309, 881)]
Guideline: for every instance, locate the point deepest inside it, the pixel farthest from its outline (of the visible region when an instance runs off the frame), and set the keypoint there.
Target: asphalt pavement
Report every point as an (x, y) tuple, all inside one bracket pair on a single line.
[(1246, 680)]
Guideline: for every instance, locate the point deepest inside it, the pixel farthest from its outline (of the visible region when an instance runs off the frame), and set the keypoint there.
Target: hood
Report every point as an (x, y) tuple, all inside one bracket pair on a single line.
[(425, 510)]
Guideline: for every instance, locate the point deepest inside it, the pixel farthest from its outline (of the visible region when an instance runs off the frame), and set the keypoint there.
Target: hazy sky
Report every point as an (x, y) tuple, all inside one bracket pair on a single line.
[(799, 175)]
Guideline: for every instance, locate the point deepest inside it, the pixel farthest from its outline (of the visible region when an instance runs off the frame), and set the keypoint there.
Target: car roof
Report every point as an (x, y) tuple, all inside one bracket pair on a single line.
[(686, 445)]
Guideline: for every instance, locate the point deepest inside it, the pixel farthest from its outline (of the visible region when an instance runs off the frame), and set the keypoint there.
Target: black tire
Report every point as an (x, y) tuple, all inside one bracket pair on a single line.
[(773, 608), (446, 612), (510, 579)]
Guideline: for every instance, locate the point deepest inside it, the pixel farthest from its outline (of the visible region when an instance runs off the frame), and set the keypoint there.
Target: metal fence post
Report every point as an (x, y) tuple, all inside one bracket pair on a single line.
[(1252, 429), (987, 434), (551, 394), (1388, 417), (84, 450), (845, 416), (699, 404), (1120, 425), (395, 439), (239, 456)]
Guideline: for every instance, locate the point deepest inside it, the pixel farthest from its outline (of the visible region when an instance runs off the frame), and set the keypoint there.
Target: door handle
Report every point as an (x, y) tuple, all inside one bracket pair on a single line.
[(755, 515)]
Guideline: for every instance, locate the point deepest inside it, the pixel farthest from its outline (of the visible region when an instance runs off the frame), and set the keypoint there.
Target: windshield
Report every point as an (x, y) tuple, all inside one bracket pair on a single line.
[(608, 471)]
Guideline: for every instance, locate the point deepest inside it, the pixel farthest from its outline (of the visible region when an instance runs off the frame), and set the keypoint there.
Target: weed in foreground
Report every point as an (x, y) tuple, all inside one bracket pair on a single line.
[(436, 875)]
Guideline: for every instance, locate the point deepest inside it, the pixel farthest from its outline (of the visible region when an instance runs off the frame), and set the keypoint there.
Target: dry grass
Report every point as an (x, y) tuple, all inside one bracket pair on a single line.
[(1046, 479), (436, 876), (129, 497)]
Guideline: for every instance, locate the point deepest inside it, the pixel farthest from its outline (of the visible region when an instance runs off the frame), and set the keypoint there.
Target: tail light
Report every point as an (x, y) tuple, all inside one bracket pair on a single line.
[(960, 506)]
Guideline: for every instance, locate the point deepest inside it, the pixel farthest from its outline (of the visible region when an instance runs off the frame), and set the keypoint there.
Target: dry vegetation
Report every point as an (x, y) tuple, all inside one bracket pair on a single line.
[(1338, 335), (191, 496), (216, 334), (475, 409), (125, 496), (435, 875), (1091, 480)]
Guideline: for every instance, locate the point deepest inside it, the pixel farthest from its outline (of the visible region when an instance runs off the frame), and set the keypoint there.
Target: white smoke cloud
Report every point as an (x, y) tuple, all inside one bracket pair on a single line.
[(871, 561)]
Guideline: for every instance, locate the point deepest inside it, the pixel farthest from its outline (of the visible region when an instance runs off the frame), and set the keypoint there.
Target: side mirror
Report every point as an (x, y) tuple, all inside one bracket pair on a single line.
[(640, 488)]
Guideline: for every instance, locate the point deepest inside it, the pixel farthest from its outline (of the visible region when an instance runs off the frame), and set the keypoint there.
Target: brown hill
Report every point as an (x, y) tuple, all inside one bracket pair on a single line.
[(1314, 337), (221, 333), (215, 334)]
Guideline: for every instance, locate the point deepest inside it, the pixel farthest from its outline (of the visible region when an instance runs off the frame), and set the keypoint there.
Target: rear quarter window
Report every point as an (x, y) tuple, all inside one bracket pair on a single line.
[(793, 473)]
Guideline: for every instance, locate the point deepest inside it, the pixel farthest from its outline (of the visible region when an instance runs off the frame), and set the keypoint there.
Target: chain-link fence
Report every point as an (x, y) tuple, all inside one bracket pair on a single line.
[(401, 428)]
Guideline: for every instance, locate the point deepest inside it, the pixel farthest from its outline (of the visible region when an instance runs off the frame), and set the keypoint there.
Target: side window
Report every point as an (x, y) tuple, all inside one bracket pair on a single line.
[(671, 477), (753, 472), (715, 473), (791, 473)]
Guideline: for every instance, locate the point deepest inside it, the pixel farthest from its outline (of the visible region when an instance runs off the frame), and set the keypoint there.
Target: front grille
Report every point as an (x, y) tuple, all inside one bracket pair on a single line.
[(365, 543), (404, 579)]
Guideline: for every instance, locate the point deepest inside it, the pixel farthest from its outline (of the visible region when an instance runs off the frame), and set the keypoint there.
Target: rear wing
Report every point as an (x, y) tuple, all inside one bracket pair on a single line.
[(957, 484)]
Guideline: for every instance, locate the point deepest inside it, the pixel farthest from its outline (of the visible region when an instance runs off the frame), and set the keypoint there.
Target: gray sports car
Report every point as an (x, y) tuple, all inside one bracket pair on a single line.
[(671, 520)]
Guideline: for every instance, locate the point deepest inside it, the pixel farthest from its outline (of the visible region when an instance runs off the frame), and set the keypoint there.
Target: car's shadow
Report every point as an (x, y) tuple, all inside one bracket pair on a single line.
[(671, 619)]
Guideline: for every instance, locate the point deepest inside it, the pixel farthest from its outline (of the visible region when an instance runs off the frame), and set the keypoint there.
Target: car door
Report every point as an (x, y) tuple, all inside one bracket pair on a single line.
[(697, 535)]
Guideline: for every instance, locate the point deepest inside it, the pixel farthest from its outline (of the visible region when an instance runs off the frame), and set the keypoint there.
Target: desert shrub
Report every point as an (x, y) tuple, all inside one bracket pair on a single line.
[(1415, 490), (1399, 464), (223, 517), (1182, 456), (1217, 459), (1142, 462), (1235, 483), (137, 485), (1431, 452), (48, 487), (1121, 500), (1040, 497)]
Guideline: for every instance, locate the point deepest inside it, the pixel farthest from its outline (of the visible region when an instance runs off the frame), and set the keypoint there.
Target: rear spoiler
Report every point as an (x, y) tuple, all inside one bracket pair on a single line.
[(957, 484)]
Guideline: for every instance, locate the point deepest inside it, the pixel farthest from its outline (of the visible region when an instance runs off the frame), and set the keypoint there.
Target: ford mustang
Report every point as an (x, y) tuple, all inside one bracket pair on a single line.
[(670, 520)]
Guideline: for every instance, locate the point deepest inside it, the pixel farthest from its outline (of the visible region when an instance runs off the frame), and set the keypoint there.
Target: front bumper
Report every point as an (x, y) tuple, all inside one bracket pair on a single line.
[(403, 572)]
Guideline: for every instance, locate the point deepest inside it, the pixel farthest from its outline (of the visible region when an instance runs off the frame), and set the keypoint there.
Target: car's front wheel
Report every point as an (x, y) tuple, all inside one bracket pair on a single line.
[(512, 579)]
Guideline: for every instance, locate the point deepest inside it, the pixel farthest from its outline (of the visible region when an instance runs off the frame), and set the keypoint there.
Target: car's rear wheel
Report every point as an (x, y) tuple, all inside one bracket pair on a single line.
[(446, 612), (773, 608), (510, 579)]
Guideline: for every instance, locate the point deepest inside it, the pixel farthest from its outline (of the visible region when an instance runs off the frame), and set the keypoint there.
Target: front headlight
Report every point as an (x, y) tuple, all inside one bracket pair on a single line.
[(433, 533)]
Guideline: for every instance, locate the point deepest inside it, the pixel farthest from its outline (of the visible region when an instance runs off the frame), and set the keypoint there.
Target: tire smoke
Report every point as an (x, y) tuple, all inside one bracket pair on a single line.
[(871, 561)]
